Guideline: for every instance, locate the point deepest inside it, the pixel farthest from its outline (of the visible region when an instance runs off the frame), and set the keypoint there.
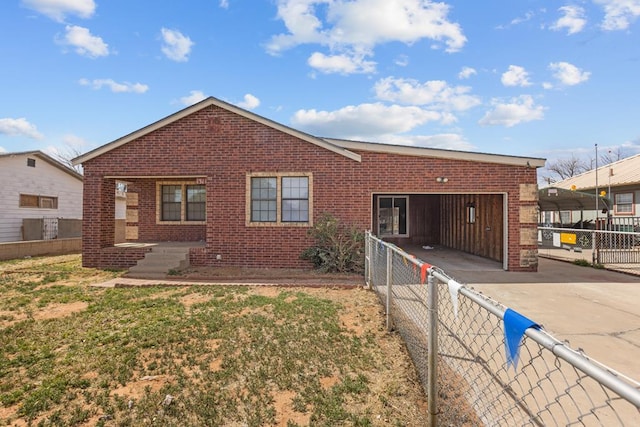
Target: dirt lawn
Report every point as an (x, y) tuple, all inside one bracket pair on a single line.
[(253, 355)]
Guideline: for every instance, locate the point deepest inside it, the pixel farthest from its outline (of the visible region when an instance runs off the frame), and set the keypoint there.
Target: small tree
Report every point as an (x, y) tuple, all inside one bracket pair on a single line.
[(338, 248)]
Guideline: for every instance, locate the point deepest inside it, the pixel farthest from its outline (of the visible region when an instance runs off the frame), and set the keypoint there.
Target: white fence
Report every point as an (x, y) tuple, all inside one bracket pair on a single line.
[(597, 246)]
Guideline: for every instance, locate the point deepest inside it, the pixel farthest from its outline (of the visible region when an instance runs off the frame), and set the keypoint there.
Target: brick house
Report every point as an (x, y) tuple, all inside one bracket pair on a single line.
[(245, 191)]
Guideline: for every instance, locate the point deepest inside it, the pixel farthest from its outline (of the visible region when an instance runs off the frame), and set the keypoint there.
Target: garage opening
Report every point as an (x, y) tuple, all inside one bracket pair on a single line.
[(472, 223)]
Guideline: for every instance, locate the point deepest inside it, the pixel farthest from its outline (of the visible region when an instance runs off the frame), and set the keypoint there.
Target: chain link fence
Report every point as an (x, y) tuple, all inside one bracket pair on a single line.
[(481, 363)]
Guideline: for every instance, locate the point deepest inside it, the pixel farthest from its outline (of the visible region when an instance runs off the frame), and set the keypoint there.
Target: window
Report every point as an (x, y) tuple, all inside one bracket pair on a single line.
[(279, 199), (295, 199), (196, 202), (181, 202), (392, 215), (264, 200), (624, 204), (40, 202), (31, 162)]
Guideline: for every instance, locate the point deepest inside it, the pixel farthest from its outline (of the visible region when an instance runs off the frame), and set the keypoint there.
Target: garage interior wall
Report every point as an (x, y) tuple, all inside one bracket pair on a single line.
[(443, 219), (484, 236)]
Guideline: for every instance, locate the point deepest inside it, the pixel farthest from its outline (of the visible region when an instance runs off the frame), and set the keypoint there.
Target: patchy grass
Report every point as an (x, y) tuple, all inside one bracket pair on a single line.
[(190, 356)]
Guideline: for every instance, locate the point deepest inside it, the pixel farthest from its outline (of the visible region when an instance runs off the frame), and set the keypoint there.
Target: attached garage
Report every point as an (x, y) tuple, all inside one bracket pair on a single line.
[(473, 223)]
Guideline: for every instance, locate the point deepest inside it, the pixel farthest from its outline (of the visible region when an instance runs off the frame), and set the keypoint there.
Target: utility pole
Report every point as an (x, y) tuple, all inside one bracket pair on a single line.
[(597, 194)]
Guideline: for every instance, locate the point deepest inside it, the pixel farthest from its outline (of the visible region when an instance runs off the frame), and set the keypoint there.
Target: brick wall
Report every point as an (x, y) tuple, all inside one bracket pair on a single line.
[(224, 147)]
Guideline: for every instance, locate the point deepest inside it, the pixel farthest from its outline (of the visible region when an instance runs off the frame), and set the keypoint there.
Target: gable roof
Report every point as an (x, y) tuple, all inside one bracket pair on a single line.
[(226, 106), (339, 146), (406, 150), (622, 172), (46, 158)]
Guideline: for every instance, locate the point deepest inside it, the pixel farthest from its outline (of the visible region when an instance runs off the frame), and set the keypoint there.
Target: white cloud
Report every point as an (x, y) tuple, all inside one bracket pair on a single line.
[(402, 61), (515, 76), (568, 74), (115, 86), (250, 102), (3, 150), (519, 20), (619, 14), (354, 28), (436, 94), (176, 46), (224, 4), (573, 19), (466, 73), (343, 64), (19, 127), (363, 121), (194, 97), (58, 9), (518, 110), (84, 42)]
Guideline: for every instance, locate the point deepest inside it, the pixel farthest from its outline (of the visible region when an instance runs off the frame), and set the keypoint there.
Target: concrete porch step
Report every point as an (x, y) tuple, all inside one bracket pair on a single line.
[(157, 263)]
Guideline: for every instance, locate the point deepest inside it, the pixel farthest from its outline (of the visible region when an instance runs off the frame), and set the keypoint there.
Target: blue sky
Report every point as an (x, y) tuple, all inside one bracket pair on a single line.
[(530, 78)]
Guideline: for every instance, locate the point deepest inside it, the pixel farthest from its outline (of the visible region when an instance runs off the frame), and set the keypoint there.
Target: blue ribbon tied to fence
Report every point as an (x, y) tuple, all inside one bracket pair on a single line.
[(515, 325)]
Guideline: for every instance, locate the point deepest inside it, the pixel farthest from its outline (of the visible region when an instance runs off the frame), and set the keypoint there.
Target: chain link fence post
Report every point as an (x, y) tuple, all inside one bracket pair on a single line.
[(432, 370), (389, 285), (367, 259)]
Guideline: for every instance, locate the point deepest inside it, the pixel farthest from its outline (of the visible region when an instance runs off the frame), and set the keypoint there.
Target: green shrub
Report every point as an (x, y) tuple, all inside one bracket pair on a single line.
[(338, 248)]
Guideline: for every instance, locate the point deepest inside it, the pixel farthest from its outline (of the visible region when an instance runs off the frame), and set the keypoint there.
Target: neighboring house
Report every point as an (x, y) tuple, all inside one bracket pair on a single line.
[(36, 186), (618, 182), (246, 190)]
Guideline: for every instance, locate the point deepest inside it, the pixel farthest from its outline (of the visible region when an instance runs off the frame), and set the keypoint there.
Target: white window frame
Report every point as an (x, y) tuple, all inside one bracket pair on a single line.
[(183, 203), (631, 204), (278, 222)]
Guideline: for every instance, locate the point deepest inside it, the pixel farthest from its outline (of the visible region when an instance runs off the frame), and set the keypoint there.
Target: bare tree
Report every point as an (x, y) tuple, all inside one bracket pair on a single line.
[(565, 168), (65, 156), (613, 155)]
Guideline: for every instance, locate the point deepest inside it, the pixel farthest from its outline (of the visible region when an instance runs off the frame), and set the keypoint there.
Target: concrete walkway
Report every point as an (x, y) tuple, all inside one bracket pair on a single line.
[(128, 282)]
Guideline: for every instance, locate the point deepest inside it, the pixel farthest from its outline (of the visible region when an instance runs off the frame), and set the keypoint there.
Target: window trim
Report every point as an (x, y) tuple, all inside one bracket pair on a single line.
[(183, 203), (39, 199), (278, 222), (632, 204)]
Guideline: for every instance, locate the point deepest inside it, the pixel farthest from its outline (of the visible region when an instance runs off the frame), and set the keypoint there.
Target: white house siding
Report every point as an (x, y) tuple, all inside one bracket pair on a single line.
[(43, 180)]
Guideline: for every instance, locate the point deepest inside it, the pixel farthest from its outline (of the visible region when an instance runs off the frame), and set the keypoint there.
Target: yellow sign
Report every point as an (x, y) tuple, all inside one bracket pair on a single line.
[(568, 238)]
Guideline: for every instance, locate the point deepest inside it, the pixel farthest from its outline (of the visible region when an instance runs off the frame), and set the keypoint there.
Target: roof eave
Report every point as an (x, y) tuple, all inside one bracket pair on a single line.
[(532, 162)]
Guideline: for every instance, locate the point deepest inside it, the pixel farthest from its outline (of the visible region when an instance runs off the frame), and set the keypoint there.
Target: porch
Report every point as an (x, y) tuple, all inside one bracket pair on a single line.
[(159, 259)]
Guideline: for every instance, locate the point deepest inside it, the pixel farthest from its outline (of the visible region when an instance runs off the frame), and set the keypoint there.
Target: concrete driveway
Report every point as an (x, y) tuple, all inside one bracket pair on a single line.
[(595, 310)]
